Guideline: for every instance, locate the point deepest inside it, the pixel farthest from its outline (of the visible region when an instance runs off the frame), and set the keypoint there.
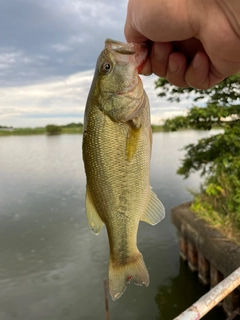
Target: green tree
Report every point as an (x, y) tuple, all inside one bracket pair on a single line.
[(73, 125), (53, 129), (217, 157)]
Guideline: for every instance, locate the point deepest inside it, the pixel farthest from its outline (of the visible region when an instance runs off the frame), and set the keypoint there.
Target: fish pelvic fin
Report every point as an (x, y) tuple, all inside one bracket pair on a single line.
[(95, 223), (155, 210), (120, 275)]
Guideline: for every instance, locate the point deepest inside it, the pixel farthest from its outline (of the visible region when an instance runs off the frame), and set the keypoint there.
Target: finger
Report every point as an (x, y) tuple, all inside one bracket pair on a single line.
[(132, 35), (130, 29), (201, 74), (159, 58), (176, 70)]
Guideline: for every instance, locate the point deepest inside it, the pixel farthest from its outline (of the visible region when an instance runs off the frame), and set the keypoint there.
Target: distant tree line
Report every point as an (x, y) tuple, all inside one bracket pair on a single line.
[(5, 127), (73, 125), (53, 129), (68, 128)]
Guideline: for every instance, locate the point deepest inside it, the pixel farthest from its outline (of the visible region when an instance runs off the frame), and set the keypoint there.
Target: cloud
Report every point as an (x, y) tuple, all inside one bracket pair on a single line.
[(64, 96), (63, 100), (68, 33), (48, 51), (61, 47)]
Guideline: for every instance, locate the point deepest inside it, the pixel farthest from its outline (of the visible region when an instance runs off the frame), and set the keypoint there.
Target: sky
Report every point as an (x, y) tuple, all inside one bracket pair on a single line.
[(48, 52)]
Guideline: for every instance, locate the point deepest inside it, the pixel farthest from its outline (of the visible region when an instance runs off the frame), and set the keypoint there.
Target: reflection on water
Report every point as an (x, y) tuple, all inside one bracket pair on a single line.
[(179, 293), (51, 266)]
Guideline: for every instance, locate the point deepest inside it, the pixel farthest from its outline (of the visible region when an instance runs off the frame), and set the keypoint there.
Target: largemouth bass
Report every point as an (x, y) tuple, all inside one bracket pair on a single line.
[(117, 142)]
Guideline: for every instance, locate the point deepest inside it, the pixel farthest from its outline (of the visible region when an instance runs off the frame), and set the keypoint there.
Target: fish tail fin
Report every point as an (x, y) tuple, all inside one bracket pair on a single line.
[(120, 275)]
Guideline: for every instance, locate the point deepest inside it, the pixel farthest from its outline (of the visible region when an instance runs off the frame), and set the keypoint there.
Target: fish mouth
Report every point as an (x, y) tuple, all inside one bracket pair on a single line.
[(139, 50)]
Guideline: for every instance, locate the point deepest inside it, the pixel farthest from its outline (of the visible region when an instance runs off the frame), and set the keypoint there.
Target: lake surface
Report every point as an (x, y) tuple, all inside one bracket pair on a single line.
[(52, 267)]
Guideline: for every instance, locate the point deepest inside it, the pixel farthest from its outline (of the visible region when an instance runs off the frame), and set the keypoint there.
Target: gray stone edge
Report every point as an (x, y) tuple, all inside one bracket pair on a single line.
[(222, 253)]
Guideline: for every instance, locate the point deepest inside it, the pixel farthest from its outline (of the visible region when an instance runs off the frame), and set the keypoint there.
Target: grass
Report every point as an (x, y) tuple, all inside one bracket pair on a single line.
[(76, 130), (40, 130), (203, 207), (22, 131), (156, 128)]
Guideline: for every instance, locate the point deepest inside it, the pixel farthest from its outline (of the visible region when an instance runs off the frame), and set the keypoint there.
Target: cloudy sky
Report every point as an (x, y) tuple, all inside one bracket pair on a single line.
[(48, 51)]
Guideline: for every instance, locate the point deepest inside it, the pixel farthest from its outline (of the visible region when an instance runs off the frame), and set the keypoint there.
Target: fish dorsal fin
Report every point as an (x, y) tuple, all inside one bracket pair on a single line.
[(94, 221), (155, 210)]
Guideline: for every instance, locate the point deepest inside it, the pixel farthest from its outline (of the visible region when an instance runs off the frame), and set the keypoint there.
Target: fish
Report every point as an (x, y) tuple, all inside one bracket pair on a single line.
[(117, 142)]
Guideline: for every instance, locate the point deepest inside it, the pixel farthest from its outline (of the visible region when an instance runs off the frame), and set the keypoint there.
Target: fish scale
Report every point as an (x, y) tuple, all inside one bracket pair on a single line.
[(116, 154)]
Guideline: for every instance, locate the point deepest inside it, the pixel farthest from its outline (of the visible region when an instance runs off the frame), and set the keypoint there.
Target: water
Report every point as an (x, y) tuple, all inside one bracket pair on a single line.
[(52, 267)]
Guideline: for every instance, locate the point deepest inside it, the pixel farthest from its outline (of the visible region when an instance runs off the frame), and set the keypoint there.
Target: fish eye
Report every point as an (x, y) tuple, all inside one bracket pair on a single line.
[(106, 67)]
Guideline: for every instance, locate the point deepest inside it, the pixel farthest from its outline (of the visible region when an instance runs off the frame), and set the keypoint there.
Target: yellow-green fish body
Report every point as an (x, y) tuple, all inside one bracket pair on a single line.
[(116, 152)]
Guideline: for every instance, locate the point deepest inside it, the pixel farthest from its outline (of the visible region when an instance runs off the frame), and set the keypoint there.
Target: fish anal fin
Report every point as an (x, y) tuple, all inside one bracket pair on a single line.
[(155, 210), (121, 275), (95, 223)]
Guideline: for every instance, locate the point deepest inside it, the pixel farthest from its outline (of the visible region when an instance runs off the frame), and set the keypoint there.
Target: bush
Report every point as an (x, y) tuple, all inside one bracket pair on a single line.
[(216, 157), (53, 129)]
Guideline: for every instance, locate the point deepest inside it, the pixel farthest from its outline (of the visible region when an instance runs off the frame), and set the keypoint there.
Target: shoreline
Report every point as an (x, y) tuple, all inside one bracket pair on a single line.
[(73, 130)]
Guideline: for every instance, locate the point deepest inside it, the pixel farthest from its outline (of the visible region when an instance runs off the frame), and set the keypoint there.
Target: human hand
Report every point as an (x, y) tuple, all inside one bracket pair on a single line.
[(194, 43)]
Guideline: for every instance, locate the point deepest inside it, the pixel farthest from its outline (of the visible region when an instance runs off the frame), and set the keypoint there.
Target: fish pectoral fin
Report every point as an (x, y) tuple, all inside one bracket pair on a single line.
[(94, 221), (155, 210), (132, 141)]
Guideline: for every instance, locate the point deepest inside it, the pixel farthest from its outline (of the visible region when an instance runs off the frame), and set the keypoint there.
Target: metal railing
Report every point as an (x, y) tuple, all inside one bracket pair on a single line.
[(211, 298)]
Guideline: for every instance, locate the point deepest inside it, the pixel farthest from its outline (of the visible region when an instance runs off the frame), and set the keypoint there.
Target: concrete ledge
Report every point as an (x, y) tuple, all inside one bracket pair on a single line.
[(207, 252), (221, 253)]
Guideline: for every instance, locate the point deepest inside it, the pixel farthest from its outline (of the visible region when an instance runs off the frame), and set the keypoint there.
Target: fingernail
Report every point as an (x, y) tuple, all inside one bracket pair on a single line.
[(197, 61), (159, 52), (173, 66)]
